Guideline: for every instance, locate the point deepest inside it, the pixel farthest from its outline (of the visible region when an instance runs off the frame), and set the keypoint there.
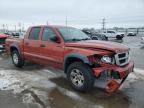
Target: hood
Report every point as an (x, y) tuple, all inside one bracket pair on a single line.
[(96, 44), (119, 33)]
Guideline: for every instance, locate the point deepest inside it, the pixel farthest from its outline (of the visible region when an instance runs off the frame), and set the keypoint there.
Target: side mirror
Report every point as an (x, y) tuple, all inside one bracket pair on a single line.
[(55, 39)]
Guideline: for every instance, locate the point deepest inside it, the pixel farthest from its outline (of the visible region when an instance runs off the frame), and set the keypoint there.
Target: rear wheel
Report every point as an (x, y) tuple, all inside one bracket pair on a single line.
[(80, 76), (94, 38), (105, 38), (17, 59)]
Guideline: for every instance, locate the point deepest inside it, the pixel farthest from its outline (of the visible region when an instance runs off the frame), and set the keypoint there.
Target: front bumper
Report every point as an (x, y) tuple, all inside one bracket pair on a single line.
[(112, 84)]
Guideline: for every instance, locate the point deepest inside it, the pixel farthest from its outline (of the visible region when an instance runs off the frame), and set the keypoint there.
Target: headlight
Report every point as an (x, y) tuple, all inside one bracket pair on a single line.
[(107, 59), (1, 46)]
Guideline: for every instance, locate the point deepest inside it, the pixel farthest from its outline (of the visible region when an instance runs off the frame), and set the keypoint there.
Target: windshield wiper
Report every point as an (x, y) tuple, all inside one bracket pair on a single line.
[(86, 39), (74, 40)]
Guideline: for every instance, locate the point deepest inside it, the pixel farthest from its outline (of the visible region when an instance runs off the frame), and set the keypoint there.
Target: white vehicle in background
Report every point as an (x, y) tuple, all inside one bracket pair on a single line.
[(142, 40), (113, 35), (131, 34)]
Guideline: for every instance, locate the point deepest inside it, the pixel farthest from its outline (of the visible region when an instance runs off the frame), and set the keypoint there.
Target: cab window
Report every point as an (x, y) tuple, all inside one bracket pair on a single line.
[(34, 33), (48, 34)]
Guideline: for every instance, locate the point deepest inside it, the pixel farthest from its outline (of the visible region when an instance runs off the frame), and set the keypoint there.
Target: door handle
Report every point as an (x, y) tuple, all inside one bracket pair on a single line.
[(42, 45)]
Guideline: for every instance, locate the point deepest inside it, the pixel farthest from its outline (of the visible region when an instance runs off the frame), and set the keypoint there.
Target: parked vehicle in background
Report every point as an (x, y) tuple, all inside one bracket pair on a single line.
[(131, 34), (120, 33), (83, 60), (2, 42), (99, 36), (88, 32), (142, 40), (15, 34), (95, 35), (113, 35), (7, 33)]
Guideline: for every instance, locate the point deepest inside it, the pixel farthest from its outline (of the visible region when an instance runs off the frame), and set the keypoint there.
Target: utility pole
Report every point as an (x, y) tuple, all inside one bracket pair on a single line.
[(103, 23), (20, 29), (15, 28), (7, 28), (23, 27), (3, 28), (47, 23)]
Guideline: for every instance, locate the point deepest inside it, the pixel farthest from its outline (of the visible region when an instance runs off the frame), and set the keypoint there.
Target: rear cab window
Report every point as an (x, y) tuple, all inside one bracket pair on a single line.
[(34, 33)]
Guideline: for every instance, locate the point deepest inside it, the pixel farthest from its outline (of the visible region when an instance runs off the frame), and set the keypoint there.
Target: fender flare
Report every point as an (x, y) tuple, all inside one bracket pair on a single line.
[(15, 46), (76, 55)]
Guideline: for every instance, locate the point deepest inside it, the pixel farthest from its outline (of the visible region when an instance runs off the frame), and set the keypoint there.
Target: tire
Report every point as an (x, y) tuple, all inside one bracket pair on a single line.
[(118, 37), (85, 75), (94, 38), (105, 38), (17, 59)]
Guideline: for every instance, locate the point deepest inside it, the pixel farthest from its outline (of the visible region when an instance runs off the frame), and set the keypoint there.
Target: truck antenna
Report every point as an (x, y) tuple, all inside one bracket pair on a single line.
[(66, 21)]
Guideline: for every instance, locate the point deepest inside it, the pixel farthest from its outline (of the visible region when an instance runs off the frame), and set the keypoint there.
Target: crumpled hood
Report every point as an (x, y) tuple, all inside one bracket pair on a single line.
[(96, 44)]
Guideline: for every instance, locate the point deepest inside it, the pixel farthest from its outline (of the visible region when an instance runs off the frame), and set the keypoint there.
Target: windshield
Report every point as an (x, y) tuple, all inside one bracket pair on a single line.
[(110, 32), (73, 34)]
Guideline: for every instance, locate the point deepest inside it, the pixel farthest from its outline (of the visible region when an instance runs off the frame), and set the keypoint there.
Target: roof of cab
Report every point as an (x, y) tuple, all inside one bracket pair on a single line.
[(51, 26)]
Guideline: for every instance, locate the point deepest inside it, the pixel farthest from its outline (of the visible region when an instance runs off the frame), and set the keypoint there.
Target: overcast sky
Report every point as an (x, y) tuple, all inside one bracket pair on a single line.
[(80, 13)]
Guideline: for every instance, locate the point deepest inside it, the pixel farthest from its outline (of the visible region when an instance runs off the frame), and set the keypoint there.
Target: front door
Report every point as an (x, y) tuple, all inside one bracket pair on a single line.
[(51, 50)]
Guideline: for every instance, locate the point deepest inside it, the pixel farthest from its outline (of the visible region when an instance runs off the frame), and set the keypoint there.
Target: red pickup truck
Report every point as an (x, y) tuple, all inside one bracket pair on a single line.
[(84, 61)]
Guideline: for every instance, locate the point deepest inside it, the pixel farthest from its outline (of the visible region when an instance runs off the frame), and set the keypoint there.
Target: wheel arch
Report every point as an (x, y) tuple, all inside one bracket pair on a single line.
[(14, 47), (74, 57)]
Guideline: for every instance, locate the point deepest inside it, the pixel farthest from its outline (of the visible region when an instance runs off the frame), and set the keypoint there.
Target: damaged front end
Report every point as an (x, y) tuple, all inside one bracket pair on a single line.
[(109, 80), (111, 70)]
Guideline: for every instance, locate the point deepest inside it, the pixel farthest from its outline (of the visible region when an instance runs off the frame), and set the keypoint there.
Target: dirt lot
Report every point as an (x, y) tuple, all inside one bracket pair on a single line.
[(36, 86)]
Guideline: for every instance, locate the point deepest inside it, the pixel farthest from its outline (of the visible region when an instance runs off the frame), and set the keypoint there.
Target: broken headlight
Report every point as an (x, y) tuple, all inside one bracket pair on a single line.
[(107, 59)]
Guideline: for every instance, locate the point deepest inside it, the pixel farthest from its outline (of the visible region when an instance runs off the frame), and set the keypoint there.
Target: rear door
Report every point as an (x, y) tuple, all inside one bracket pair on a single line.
[(32, 44), (51, 48)]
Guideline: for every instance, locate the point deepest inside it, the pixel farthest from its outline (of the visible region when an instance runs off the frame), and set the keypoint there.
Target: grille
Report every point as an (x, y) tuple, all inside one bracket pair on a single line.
[(122, 58), (121, 55), (2, 40)]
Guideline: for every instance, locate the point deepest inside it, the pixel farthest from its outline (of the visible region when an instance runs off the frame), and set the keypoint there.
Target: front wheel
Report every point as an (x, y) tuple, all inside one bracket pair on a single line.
[(80, 76), (17, 59)]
